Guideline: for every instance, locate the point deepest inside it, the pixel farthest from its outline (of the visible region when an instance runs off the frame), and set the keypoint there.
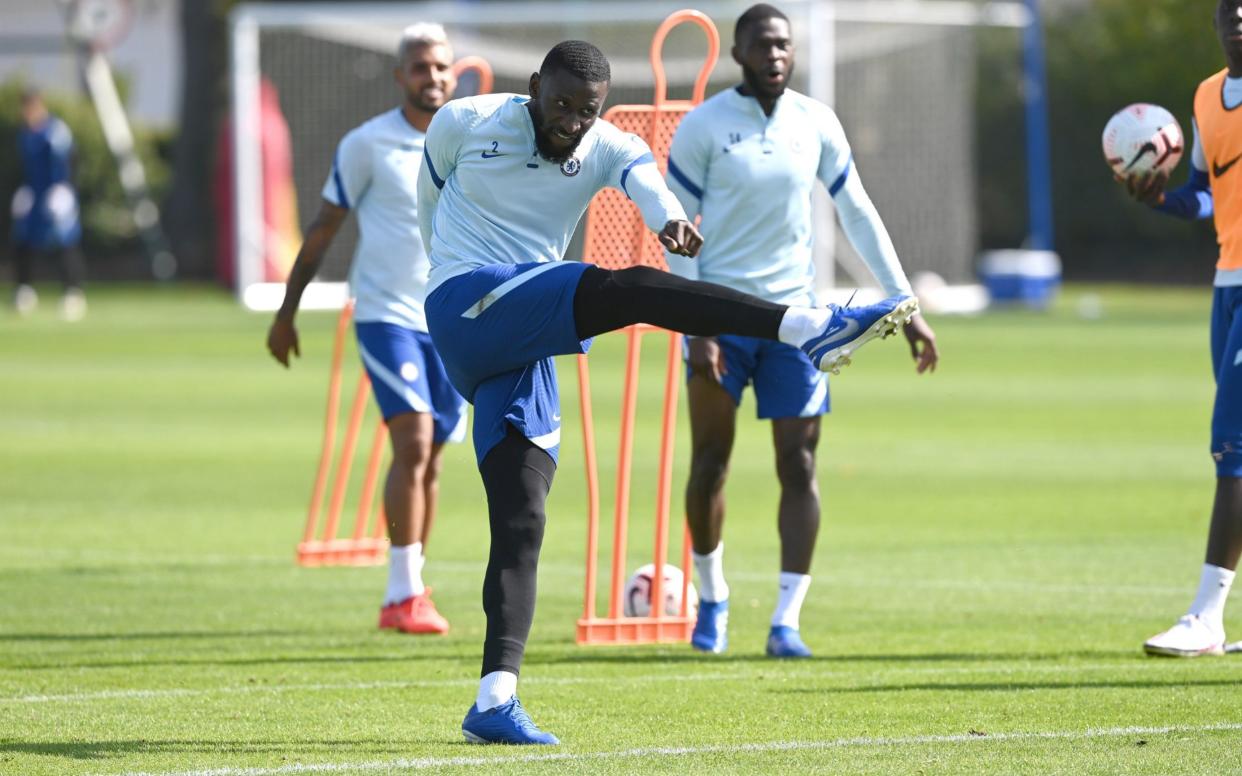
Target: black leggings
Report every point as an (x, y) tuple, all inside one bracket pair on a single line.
[(517, 475), (607, 300)]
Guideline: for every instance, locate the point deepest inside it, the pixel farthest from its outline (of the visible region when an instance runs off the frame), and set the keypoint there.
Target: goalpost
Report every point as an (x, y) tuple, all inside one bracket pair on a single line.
[(900, 73)]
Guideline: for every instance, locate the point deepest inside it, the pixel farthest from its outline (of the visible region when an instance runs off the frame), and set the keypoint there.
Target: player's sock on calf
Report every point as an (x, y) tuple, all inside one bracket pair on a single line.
[(405, 573), (710, 567)]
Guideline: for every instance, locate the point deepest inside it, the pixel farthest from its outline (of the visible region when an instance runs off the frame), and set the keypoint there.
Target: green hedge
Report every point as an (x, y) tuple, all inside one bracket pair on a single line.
[(1101, 57), (106, 221)]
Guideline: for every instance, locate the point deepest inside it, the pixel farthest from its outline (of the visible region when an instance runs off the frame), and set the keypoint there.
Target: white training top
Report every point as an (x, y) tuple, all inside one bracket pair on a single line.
[(375, 174), (487, 197), (750, 176)]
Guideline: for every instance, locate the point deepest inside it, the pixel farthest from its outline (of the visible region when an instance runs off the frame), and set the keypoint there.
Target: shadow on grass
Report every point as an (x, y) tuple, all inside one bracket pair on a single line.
[(291, 750), (278, 660), (680, 655), (199, 635), (1102, 684)]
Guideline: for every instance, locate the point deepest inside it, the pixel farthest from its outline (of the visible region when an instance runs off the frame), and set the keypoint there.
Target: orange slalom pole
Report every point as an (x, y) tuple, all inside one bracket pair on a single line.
[(347, 458), (592, 477), (624, 458), (478, 65), (368, 484), (329, 428), (664, 485)]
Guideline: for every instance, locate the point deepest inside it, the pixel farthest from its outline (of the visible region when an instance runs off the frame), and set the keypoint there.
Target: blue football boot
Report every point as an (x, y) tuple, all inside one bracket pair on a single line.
[(711, 629), (852, 327), (507, 723), (784, 641)]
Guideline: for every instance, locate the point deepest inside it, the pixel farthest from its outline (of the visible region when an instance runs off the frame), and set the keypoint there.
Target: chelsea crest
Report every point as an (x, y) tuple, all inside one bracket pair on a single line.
[(571, 167)]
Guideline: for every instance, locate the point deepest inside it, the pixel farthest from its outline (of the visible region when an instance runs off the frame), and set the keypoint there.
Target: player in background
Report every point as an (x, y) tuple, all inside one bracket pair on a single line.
[(505, 180), (746, 160), (375, 174), (1215, 187), (45, 208)]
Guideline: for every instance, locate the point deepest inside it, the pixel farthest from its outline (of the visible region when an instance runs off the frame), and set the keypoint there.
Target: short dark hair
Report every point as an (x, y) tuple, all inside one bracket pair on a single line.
[(578, 58), (760, 12), (31, 94)]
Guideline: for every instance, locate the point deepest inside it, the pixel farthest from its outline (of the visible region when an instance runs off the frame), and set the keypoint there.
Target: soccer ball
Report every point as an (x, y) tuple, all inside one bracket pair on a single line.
[(1143, 138), (637, 602)]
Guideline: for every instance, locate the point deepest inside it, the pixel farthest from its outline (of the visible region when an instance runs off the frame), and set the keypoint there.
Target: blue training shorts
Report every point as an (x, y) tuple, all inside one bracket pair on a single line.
[(787, 384), (408, 376), (1227, 363), (497, 328)]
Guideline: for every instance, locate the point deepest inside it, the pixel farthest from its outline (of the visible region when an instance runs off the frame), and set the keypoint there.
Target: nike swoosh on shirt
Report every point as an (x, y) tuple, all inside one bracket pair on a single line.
[(1220, 169), (486, 155)]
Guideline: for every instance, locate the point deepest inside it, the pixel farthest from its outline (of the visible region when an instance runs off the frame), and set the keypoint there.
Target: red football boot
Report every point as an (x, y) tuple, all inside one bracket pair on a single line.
[(416, 614)]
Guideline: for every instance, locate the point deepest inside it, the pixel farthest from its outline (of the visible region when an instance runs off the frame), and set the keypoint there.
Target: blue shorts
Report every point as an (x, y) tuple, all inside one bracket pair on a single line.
[(787, 384), (408, 376), (497, 329), (1227, 363)]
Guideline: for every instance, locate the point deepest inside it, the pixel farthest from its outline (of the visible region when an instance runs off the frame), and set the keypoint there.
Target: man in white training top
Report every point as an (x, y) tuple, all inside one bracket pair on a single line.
[(375, 174), (747, 161), (505, 180)]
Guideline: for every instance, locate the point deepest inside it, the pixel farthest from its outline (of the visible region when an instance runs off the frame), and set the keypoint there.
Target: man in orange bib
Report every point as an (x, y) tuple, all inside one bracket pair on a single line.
[(1215, 188)]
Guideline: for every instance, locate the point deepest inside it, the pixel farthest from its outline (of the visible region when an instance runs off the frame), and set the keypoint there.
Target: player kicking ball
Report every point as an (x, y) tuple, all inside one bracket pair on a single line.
[(1215, 185), (375, 174), (747, 160), (505, 180)]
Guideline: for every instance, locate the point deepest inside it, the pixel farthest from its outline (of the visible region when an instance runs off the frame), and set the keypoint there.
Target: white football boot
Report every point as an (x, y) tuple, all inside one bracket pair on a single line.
[(1191, 636)]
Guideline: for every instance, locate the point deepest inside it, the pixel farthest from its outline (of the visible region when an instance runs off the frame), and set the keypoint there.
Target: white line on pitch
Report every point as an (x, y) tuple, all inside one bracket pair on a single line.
[(180, 692), (420, 763)]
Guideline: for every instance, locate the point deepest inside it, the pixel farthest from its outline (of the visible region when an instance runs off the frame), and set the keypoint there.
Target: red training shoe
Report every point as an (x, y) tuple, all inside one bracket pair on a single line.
[(416, 614)]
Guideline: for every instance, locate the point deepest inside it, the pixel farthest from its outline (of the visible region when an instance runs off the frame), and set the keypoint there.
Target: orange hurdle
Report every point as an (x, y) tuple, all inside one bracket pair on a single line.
[(616, 237), (367, 543)]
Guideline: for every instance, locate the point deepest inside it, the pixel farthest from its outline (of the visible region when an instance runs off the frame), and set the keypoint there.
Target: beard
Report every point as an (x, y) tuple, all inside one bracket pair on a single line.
[(544, 145), (759, 85)]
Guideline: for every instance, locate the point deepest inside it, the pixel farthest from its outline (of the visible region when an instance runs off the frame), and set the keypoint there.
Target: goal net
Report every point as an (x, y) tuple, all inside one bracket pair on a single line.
[(902, 75)]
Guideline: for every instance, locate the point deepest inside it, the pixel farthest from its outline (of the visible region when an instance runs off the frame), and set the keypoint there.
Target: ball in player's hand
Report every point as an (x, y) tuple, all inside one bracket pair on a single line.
[(1141, 139)]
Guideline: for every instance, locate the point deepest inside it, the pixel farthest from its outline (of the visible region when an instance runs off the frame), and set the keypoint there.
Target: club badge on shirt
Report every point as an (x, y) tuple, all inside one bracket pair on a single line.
[(571, 167)]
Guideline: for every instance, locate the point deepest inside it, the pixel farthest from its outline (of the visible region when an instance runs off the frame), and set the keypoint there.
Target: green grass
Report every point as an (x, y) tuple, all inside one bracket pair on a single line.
[(998, 540)]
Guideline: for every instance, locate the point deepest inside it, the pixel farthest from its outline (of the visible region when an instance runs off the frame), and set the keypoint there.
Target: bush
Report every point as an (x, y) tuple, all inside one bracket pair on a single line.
[(1101, 57), (108, 227)]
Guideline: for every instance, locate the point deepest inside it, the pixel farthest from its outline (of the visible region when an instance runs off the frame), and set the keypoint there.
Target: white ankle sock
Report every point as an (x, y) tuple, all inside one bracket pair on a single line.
[(405, 573), (494, 689), (799, 324), (712, 585), (1209, 604), (789, 600)]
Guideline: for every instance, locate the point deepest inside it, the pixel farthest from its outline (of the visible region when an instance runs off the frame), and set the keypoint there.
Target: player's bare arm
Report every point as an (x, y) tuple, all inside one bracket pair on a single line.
[(681, 238), (282, 337)]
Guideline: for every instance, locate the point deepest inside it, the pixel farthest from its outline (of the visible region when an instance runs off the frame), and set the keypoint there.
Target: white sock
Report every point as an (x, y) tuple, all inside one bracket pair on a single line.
[(405, 573), (494, 689), (799, 324), (1214, 587), (712, 585), (789, 601)]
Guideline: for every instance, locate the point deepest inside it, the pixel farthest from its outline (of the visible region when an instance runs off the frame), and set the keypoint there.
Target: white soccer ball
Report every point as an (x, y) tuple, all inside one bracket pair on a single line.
[(637, 601), (1143, 138)]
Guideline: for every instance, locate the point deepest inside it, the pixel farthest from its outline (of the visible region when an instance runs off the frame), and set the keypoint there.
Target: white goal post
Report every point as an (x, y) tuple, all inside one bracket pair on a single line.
[(329, 64)]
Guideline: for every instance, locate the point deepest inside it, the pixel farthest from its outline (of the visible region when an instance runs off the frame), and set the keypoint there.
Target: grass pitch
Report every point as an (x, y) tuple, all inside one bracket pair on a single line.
[(998, 540)]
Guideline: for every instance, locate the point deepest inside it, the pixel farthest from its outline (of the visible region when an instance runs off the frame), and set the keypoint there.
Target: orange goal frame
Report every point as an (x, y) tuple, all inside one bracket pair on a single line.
[(616, 237)]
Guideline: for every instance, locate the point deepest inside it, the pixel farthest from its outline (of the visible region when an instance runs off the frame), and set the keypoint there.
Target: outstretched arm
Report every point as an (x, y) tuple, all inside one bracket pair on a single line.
[(282, 337), (640, 180)]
